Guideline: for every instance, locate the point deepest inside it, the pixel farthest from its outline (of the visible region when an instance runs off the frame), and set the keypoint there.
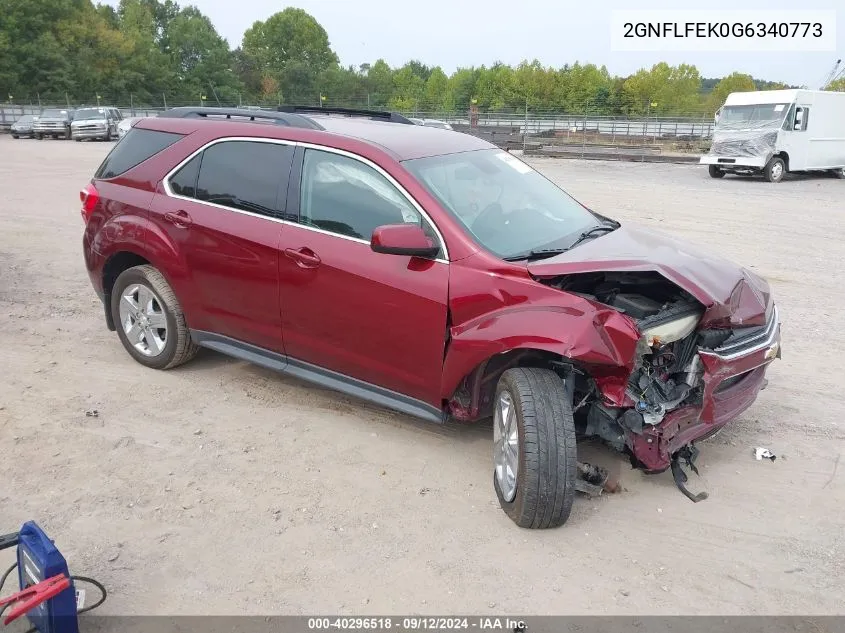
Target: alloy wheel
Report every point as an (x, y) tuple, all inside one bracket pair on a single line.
[(506, 445), (143, 320)]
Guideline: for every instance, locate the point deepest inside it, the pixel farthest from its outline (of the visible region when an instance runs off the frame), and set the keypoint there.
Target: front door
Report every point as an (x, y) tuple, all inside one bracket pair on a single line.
[(374, 317), (223, 210)]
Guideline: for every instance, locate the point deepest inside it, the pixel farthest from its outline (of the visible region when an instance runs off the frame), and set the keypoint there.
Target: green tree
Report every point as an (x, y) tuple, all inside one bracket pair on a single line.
[(293, 49), (435, 90), (200, 59), (493, 86), (735, 82), (408, 89), (460, 90), (671, 90), (379, 83)]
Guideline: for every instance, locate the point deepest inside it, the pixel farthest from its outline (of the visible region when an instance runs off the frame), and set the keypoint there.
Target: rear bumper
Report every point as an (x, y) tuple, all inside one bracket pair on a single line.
[(720, 404)]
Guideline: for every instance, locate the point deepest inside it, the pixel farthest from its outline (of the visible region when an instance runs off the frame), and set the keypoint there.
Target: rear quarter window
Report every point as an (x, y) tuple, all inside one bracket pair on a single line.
[(133, 149)]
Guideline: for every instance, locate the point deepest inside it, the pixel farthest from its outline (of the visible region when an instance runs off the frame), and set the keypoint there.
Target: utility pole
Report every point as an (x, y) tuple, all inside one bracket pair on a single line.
[(525, 127), (164, 98)]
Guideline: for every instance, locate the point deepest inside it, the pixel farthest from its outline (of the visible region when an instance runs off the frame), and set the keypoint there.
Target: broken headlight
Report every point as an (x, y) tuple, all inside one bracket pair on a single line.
[(671, 331)]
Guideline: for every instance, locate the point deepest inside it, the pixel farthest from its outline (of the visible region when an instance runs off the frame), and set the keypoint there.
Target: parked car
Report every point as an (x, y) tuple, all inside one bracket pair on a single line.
[(126, 124), (416, 121), (430, 273), (95, 123), (437, 123), (54, 122), (23, 126)]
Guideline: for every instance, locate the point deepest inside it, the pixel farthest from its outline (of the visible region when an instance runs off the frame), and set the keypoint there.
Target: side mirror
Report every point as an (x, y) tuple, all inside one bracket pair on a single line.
[(799, 118), (403, 239)]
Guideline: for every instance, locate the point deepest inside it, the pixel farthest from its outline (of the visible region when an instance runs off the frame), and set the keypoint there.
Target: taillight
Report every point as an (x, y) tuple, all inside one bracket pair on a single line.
[(89, 196)]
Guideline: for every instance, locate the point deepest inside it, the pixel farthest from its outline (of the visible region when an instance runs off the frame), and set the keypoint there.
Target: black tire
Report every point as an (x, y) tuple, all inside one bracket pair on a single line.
[(775, 169), (15, 136), (78, 140), (715, 171), (38, 137), (178, 348), (839, 173), (545, 481)]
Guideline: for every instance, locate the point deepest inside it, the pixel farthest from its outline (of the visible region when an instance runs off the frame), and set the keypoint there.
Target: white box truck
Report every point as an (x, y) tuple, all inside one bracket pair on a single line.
[(772, 132)]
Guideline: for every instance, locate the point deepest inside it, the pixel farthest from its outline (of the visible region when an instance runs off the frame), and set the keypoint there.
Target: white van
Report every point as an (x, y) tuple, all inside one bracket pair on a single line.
[(772, 132)]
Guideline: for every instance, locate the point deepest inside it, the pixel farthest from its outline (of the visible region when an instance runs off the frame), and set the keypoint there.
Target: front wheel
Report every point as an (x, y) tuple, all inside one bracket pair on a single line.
[(775, 170), (715, 171), (38, 137), (15, 136), (149, 319), (534, 452)]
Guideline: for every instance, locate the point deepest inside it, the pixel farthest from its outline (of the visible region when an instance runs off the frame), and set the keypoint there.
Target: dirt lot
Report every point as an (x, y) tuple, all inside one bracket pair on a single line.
[(220, 487)]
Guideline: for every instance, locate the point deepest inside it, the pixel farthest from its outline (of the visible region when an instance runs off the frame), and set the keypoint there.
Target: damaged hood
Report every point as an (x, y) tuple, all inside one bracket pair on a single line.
[(732, 295)]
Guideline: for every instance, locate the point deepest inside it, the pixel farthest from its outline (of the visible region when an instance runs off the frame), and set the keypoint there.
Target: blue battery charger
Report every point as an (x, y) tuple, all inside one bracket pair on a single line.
[(39, 559)]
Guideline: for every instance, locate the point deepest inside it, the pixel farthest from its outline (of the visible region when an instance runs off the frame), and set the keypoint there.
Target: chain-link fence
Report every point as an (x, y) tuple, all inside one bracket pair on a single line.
[(535, 131)]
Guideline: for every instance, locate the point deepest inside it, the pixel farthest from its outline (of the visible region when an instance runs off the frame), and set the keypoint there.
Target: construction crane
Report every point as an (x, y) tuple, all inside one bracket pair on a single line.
[(834, 74)]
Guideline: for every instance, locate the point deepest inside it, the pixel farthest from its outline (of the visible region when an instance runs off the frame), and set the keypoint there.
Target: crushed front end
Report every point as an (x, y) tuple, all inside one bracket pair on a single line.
[(696, 367)]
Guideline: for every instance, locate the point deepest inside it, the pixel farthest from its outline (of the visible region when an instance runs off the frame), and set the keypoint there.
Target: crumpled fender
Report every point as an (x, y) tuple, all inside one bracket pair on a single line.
[(585, 332)]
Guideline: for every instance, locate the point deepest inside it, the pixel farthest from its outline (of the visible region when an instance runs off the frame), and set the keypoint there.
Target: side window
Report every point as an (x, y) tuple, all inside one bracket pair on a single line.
[(245, 175), (137, 146), (345, 196), (802, 115), (184, 181), (790, 118)]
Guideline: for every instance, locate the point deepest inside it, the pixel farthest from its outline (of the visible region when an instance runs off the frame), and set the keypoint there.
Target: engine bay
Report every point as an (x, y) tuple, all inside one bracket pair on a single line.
[(667, 373)]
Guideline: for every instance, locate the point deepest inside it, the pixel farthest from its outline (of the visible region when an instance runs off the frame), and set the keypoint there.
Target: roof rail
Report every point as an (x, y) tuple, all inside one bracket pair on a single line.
[(392, 117), (279, 118)]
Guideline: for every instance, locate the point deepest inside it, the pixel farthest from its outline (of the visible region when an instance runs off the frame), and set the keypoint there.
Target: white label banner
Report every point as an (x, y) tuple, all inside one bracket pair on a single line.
[(723, 31)]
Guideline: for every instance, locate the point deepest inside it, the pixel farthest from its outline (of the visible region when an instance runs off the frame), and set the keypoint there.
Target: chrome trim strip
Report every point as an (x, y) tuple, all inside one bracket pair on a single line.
[(169, 192), (765, 340)]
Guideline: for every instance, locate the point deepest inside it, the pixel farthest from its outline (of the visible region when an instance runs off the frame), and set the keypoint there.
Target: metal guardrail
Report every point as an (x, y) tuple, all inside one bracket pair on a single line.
[(533, 124)]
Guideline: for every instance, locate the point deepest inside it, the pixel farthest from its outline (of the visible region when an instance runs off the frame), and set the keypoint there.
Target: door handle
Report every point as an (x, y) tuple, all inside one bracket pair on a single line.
[(304, 257), (178, 218)]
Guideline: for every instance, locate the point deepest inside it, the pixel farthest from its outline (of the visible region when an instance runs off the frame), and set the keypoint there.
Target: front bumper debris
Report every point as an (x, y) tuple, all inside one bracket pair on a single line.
[(689, 454), (733, 377)]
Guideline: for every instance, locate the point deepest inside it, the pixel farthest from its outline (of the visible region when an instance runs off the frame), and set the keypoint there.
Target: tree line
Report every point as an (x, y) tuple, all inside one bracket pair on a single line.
[(156, 52)]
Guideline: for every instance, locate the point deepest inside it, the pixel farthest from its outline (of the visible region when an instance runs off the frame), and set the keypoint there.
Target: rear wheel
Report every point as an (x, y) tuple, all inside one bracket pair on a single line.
[(149, 319), (716, 171), (534, 451), (775, 170)]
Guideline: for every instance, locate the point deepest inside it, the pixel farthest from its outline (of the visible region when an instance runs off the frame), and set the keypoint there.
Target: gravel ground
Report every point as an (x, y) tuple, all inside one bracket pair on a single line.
[(220, 487)]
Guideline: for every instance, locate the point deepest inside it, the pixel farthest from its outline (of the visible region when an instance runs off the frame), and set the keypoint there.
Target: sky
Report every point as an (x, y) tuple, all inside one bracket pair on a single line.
[(455, 33)]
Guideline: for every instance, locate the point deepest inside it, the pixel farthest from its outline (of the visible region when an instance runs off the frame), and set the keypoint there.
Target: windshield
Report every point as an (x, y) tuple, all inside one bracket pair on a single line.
[(26, 118), (54, 114), (757, 115), (88, 114), (509, 208)]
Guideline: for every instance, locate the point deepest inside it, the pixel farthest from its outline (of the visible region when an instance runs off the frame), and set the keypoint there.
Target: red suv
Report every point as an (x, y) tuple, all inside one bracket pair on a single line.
[(430, 272)]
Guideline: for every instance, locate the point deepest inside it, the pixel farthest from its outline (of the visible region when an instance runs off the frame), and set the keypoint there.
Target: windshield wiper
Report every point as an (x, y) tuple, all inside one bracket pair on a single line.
[(593, 232), (539, 253), (542, 253)]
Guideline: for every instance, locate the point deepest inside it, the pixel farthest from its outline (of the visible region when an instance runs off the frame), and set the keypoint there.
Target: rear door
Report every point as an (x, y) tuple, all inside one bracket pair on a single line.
[(369, 316), (222, 210)]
